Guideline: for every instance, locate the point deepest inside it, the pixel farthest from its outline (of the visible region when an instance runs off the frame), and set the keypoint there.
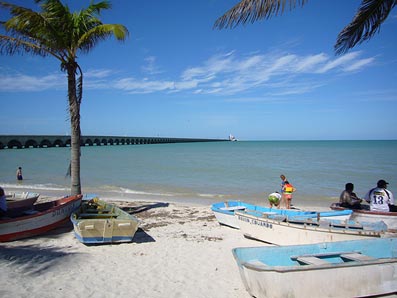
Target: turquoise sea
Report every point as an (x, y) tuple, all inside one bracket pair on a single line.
[(204, 173)]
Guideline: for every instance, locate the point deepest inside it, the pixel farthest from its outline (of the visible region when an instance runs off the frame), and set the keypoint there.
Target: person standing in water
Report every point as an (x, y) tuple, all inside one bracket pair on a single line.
[(19, 174)]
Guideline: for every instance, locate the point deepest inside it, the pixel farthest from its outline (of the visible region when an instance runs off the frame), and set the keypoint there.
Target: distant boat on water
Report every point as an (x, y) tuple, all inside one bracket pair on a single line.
[(232, 138)]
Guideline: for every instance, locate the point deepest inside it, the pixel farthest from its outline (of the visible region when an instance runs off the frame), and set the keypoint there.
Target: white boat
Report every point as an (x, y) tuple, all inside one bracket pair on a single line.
[(224, 212), (389, 218), (99, 222), (276, 229), (344, 269), (42, 218), (232, 138)]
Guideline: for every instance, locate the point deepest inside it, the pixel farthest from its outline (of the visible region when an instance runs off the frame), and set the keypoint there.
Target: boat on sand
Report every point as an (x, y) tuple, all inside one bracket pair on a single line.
[(364, 214), (280, 230), (41, 218), (97, 221), (344, 269), (21, 200), (224, 212)]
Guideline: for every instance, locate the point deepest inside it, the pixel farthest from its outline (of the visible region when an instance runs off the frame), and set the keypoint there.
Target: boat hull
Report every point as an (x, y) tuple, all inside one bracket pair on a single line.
[(286, 233), (43, 218), (104, 228), (389, 218), (21, 200), (283, 277), (224, 212)]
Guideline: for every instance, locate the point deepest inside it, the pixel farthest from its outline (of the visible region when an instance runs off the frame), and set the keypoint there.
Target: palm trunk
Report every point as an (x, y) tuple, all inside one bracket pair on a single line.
[(75, 135)]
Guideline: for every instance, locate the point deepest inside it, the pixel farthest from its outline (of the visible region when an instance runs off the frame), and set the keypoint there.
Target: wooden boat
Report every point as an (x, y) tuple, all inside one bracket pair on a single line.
[(389, 218), (343, 269), (279, 230), (21, 200), (99, 222), (40, 219), (224, 212)]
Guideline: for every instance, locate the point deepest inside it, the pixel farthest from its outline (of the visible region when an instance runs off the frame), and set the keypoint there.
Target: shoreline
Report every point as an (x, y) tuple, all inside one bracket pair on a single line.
[(202, 200)]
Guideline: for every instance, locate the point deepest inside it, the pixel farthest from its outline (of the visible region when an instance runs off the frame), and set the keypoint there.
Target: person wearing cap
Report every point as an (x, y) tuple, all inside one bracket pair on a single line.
[(380, 198)]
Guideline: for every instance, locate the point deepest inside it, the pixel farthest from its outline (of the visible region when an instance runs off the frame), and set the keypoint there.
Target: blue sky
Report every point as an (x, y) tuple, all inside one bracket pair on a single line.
[(176, 76)]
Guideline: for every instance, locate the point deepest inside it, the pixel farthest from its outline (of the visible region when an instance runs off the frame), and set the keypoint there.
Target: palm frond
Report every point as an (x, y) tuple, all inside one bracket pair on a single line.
[(101, 32), (367, 21), (30, 31), (253, 10)]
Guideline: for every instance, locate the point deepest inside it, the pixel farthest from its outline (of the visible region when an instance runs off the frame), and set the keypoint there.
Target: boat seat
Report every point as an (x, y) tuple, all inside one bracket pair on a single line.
[(96, 215), (311, 261), (255, 263), (356, 257), (232, 208)]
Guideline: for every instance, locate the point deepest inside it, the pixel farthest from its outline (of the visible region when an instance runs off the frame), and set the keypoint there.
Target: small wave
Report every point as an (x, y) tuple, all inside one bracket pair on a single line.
[(35, 186), (137, 192), (204, 195)]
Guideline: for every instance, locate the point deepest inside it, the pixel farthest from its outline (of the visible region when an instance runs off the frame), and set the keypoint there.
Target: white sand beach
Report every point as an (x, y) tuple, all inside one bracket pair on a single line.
[(179, 251)]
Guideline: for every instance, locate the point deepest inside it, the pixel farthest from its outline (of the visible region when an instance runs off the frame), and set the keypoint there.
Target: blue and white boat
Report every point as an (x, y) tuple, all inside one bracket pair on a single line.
[(224, 212), (341, 269), (282, 230), (364, 214)]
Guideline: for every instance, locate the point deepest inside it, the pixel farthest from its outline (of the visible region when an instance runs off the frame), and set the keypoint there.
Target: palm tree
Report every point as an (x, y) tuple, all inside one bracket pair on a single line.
[(57, 32), (370, 15)]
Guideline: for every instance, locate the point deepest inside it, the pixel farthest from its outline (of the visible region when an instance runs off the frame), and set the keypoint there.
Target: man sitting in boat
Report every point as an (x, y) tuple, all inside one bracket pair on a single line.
[(348, 199), (380, 198)]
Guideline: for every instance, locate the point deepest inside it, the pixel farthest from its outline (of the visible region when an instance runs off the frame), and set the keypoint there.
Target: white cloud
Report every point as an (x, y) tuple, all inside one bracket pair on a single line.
[(341, 61), (25, 83), (224, 74), (132, 85), (307, 64), (359, 64), (98, 73), (150, 67)]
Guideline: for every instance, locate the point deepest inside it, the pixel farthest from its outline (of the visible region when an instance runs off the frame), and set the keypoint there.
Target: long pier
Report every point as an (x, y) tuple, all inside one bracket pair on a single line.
[(46, 141)]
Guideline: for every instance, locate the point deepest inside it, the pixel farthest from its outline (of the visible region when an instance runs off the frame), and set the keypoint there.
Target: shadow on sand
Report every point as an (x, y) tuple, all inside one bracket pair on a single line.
[(143, 208), (32, 259), (142, 237)]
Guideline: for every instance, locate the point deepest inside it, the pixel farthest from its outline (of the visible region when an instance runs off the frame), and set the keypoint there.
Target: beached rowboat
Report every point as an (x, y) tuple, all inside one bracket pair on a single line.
[(389, 218), (21, 200), (224, 212), (279, 230), (99, 222), (40, 219), (343, 269)]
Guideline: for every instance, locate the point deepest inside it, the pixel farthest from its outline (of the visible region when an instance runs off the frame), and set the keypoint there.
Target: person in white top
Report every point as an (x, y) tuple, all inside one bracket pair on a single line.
[(379, 197)]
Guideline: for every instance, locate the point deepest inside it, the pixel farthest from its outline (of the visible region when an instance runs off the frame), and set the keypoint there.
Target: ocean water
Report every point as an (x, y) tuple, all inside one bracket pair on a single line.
[(204, 173)]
